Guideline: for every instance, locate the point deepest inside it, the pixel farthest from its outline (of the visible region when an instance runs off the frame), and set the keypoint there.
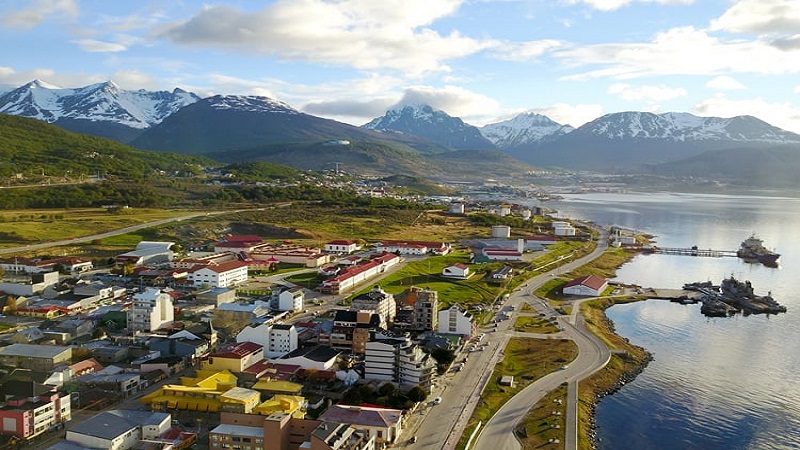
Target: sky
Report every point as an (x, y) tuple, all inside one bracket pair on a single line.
[(481, 60)]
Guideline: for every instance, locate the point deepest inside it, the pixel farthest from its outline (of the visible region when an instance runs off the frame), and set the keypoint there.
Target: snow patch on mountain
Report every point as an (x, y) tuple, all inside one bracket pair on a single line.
[(250, 103), (685, 127), (103, 102), (525, 128)]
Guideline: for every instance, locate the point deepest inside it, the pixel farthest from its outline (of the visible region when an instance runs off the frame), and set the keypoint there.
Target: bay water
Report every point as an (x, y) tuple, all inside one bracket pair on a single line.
[(715, 383)]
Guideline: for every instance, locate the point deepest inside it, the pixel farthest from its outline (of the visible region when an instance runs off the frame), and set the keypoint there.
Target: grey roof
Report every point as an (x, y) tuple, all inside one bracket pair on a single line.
[(319, 353), (34, 351), (238, 430), (111, 424)]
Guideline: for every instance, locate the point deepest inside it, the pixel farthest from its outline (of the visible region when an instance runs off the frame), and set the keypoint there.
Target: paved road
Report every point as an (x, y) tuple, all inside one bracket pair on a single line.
[(497, 434)]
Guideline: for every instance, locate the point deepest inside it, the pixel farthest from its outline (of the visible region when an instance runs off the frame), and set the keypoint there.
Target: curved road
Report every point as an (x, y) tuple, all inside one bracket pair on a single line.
[(593, 354)]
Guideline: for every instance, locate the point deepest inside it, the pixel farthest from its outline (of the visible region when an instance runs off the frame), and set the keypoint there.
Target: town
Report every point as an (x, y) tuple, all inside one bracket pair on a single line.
[(248, 343)]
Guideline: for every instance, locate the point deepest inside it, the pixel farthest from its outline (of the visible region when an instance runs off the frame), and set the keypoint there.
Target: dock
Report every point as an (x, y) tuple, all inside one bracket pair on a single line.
[(693, 251)]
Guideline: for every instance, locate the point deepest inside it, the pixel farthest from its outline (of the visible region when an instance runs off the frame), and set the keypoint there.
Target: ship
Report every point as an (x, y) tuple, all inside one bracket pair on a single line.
[(752, 249)]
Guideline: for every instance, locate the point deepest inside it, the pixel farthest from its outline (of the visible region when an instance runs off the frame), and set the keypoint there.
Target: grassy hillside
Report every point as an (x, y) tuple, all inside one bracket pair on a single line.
[(32, 151)]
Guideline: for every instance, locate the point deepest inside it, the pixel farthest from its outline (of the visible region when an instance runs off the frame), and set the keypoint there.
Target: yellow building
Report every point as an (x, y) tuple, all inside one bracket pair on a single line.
[(208, 391), (269, 387), (293, 405)]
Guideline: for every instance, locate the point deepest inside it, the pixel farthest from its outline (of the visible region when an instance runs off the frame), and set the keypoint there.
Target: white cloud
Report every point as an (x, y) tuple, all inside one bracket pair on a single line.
[(39, 12), (95, 46), (355, 33), (784, 115), (453, 100), (678, 51), (724, 83), (760, 17), (524, 51), (611, 5), (658, 93)]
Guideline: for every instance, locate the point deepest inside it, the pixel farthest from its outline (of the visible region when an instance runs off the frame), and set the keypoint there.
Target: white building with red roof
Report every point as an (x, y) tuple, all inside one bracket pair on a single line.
[(352, 276), (589, 285), (457, 270), (236, 244), (224, 274), (413, 247), (382, 424), (341, 246)]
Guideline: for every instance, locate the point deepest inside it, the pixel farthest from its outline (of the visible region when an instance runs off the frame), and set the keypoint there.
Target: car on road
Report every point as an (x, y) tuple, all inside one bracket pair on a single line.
[(437, 400)]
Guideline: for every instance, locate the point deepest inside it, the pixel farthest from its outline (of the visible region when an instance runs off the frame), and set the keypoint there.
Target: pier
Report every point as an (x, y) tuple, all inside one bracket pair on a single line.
[(692, 251)]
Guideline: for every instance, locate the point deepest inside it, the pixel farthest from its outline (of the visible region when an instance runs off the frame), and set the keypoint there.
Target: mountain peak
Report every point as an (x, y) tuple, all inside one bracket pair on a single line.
[(251, 103), (37, 83), (528, 128), (424, 121)]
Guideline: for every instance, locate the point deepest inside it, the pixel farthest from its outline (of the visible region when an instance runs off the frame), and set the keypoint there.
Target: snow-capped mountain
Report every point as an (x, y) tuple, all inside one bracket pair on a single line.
[(434, 125), (87, 108), (685, 127), (523, 129), (256, 104), (629, 139)]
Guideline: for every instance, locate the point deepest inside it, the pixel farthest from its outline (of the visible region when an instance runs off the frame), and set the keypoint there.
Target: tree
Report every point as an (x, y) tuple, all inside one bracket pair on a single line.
[(387, 390), (417, 394)]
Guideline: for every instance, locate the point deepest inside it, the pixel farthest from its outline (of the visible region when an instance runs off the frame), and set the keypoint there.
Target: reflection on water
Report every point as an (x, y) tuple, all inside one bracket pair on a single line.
[(721, 383)]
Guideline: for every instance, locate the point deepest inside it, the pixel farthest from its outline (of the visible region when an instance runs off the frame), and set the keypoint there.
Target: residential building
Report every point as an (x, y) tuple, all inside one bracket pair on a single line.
[(236, 359), (318, 357), (351, 277), (37, 284), (291, 299), (27, 417), (455, 320), (281, 431), (150, 310), (223, 275), (383, 424), (426, 308), (350, 330), (589, 286), (340, 247), (399, 361), (35, 357), (121, 429), (378, 301), (216, 296), (277, 340)]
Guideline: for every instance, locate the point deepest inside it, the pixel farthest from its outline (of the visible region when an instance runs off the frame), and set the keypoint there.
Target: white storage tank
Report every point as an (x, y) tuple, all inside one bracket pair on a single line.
[(501, 231)]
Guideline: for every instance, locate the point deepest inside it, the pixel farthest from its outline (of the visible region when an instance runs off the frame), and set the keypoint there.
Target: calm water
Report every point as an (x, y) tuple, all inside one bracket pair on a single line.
[(719, 383)]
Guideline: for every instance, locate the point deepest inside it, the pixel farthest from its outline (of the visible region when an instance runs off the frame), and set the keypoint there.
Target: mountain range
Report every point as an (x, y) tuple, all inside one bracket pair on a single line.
[(415, 139)]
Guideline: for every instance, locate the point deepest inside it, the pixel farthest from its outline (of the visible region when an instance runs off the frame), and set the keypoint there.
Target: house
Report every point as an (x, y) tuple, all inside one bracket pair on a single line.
[(350, 330), (501, 254), (150, 310), (318, 357), (36, 285), (120, 429), (35, 357), (589, 285), (113, 379), (68, 330), (236, 359), (216, 296), (455, 320), (457, 270), (219, 275), (277, 339), (30, 335), (340, 247), (423, 305), (502, 273), (282, 431), (27, 417), (183, 344), (383, 424), (291, 299)]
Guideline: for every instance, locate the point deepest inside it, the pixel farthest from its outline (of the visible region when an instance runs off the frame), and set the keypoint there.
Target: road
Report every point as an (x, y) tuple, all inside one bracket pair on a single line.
[(593, 354), (440, 426)]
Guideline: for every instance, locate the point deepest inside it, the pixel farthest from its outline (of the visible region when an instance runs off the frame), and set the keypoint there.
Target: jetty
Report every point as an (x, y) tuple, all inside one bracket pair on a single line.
[(691, 251)]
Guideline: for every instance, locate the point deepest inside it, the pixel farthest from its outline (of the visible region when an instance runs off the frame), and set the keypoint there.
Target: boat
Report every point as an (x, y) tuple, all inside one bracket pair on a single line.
[(752, 249)]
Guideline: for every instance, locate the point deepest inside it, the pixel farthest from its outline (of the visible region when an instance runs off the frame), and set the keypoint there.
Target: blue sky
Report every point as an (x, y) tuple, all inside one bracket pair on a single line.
[(481, 60)]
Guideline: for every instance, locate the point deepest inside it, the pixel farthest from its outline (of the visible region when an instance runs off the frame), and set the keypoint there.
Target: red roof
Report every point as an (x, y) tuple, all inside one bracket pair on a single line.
[(240, 350), (243, 238), (590, 281), (223, 267), (461, 266), (342, 242)]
